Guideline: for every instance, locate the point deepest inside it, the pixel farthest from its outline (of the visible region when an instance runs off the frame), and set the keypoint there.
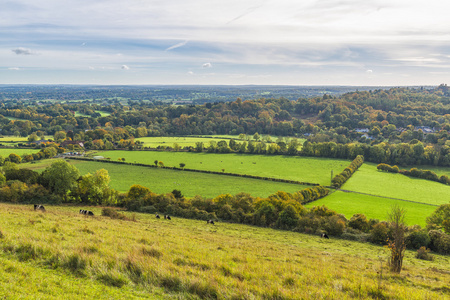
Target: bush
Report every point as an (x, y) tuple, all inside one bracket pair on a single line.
[(439, 241), (424, 253), (359, 222), (113, 214), (417, 239), (334, 225), (379, 234)]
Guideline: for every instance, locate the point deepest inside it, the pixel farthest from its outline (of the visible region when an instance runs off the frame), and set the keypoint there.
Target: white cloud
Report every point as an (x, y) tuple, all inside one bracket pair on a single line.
[(22, 51), (190, 73), (369, 71), (14, 69), (207, 65), (125, 67)]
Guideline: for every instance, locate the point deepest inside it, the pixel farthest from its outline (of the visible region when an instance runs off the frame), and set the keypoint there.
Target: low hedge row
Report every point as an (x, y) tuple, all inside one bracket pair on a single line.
[(341, 178)]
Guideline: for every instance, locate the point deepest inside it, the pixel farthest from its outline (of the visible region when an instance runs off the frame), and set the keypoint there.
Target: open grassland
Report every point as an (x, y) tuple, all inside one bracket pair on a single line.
[(305, 169), (165, 181), (371, 181), (190, 141), (373, 207), (102, 113), (185, 141), (186, 259), (7, 151)]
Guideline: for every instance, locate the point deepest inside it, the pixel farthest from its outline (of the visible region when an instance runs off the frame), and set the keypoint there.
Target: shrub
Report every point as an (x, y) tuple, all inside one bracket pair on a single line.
[(424, 253), (1, 235), (335, 225), (288, 218), (379, 234), (113, 214), (417, 239), (359, 222), (439, 241)]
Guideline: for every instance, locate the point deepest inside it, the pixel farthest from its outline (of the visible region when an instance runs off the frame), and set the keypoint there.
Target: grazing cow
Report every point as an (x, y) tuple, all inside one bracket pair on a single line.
[(157, 216), (324, 235), (210, 222), (86, 212), (39, 207), (167, 217)]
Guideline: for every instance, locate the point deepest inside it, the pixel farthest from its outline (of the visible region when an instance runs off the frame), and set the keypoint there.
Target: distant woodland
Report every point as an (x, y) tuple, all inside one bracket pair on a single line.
[(397, 126)]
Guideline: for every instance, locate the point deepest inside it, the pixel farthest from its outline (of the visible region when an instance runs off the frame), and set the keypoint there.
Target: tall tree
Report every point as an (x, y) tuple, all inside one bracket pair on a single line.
[(397, 246), (61, 177)]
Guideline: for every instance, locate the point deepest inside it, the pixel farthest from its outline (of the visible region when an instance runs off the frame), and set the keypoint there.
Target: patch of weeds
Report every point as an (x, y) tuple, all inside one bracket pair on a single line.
[(114, 214), (87, 230), (28, 251), (115, 280), (151, 252), (424, 253), (1, 235), (90, 249), (443, 289), (75, 263), (55, 228), (182, 262), (32, 222), (171, 283), (289, 281), (203, 290), (133, 269), (144, 241)]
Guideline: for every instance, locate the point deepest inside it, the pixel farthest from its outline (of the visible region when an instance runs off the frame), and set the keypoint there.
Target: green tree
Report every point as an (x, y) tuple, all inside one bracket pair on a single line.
[(95, 189), (182, 165), (397, 245), (61, 178), (440, 218), (14, 158), (60, 136)]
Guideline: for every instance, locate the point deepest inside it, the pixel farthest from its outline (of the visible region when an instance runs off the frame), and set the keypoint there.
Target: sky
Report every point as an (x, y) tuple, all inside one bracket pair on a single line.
[(202, 42)]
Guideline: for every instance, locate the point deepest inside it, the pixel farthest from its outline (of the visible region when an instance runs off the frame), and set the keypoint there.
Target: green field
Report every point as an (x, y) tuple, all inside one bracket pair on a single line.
[(371, 181), (189, 183), (305, 169), (102, 113), (189, 141), (373, 207), (61, 254), (7, 151)]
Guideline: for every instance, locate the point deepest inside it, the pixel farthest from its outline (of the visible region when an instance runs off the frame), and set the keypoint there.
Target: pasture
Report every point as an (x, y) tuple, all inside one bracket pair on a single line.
[(189, 183), (21, 152), (190, 141), (373, 207), (187, 259), (102, 113), (305, 169), (371, 181)]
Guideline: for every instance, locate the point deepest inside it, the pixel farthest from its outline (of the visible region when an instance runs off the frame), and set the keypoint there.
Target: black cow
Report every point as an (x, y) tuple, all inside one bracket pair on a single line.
[(157, 216), (324, 235), (210, 222), (167, 217), (39, 207)]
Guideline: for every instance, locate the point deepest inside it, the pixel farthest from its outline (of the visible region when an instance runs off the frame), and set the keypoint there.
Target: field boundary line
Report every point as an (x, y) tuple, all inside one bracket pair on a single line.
[(348, 191), (196, 170)]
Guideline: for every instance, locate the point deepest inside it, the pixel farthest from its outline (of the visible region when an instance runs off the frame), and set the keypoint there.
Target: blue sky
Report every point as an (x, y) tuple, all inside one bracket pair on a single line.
[(308, 42)]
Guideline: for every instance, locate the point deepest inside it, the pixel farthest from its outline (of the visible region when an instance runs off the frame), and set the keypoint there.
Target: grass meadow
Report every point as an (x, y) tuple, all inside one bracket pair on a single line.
[(373, 207), (190, 141), (371, 181), (165, 181), (21, 152), (305, 169), (62, 254)]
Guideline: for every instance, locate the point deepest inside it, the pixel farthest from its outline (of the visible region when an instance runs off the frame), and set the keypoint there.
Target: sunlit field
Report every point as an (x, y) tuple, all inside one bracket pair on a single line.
[(305, 169), (185, 259)]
